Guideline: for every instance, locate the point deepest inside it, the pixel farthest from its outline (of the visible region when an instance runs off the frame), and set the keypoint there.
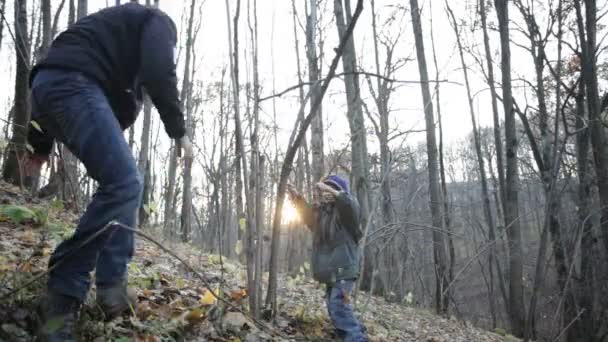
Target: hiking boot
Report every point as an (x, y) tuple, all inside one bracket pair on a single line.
[(115, 300), (59, 314)]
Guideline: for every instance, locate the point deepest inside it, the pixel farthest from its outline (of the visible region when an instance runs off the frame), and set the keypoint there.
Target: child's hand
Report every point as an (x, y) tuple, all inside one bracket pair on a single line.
[(292, 192)]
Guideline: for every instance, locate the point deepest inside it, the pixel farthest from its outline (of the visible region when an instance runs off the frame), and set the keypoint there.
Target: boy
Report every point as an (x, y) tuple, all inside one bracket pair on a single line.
[(334, 222)]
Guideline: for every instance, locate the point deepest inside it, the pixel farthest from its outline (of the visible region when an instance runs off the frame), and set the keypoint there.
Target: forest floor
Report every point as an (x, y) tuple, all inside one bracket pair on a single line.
[(174, 303)]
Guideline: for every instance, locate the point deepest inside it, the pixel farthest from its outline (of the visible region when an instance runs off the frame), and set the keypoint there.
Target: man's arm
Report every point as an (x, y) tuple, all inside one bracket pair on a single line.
[(158, 74)]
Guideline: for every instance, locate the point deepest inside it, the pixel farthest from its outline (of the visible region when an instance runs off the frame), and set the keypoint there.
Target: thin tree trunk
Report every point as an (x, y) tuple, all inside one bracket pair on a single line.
[(444, 188), (186, 96), (583, 328), (240, 153), (83, 8), (56, 19), (485, 194), (12, 172), (439, 246), (314, 74), (3, 14), (359, 159), (257, 222), (71, 12), (598, 133), (46, 28), (512, 225), (144, 152)]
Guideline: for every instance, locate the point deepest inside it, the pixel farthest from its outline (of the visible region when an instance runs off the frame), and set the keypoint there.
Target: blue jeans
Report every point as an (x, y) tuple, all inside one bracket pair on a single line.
[(341, 312), (75, 111)]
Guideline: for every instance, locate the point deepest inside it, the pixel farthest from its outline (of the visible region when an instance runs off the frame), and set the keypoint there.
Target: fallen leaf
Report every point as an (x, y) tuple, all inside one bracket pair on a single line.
[(195, 316), (238, 295), (207, 298)]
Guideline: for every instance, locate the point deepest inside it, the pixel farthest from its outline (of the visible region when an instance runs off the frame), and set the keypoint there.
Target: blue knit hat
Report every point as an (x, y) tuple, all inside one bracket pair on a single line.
[(337, 181)]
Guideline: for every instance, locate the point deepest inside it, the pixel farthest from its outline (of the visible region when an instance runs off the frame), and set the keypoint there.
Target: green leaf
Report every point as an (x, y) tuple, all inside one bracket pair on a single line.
[(17, 213), (30, 148), (243, 223), (36, 126)]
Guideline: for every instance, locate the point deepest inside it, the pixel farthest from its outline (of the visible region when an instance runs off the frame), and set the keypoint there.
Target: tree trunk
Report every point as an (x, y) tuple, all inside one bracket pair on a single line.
[(485, 194), (257, 223), (316, 132), (497, 139), (83, 8), (444, 188), (143, 163), (359, 159), (2, 9), (169, 192), (56, 19), (583, 328), (512, 225), (186, 96), (439, 246), (12, 172), (45, 6), (71, 12), (241, 156), (598, 133)]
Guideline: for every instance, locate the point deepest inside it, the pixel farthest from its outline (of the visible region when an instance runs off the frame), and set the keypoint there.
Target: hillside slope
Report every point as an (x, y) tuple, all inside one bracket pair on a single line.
[(174, 303)]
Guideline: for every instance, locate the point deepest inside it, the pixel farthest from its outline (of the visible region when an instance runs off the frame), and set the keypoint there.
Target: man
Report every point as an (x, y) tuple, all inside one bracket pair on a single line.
[(84, 94), (334, 222)]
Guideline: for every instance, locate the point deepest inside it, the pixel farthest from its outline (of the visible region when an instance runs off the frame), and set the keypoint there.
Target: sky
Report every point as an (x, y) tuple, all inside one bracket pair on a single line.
[(277, 62)]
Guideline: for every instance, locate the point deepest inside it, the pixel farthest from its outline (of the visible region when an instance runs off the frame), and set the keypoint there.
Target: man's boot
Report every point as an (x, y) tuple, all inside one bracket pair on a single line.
[(115, 300), (59, 314)]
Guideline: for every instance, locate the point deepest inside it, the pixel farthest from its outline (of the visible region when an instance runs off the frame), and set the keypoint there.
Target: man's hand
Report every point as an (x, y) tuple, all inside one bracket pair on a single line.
[(33, 164), (184, 148)]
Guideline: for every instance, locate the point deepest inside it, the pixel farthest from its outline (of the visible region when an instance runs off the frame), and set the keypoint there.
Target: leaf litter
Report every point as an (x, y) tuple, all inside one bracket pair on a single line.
[(173, 304)]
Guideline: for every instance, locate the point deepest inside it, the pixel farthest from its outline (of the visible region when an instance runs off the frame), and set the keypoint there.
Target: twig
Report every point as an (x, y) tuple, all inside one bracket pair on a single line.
[(569, 325), (481, 251), (364, 73)]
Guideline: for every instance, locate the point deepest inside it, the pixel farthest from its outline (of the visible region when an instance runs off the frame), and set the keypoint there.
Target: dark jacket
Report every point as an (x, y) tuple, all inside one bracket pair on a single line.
[(336, 234), (122, 48)]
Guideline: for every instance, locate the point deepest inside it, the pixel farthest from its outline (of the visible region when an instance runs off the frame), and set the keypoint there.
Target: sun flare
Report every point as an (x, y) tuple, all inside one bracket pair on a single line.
[(289, 213)]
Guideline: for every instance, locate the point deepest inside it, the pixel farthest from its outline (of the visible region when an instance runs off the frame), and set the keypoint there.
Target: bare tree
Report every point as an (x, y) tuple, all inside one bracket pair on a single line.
[(485, 194), (512, 225), (434, 190)]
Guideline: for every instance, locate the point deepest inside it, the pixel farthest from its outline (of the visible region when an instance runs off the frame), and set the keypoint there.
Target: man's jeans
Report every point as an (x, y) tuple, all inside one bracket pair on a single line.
[(76, 112), (341, 312)]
